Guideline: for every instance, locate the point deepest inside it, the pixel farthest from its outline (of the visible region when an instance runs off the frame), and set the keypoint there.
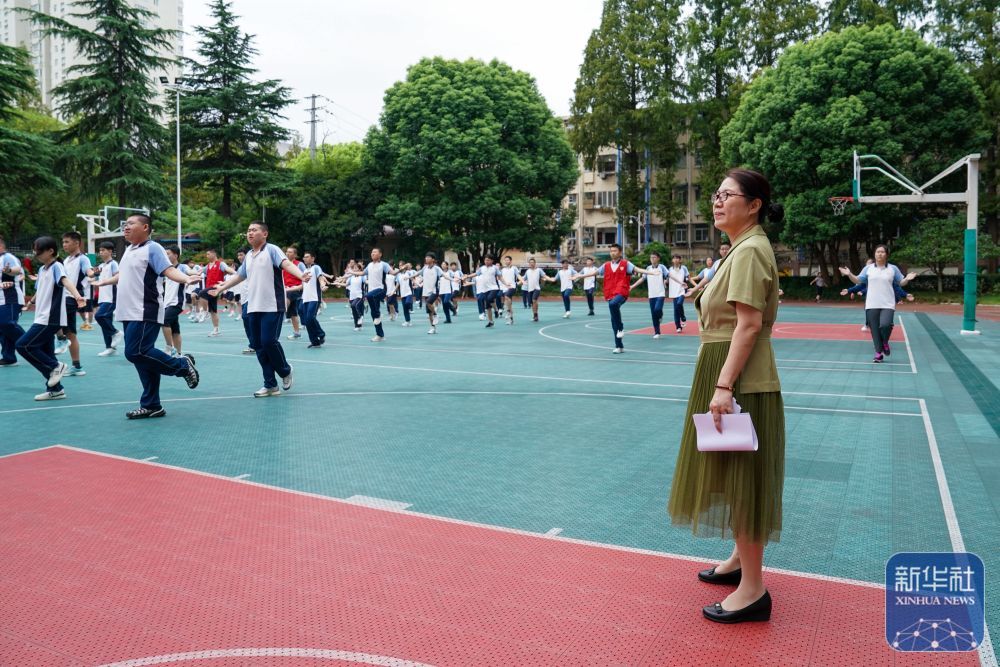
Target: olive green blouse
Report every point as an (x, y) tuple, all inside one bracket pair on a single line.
[(749, 275)]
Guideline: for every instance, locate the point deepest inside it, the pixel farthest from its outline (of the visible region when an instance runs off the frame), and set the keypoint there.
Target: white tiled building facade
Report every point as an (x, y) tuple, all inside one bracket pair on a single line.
[(51, 57)]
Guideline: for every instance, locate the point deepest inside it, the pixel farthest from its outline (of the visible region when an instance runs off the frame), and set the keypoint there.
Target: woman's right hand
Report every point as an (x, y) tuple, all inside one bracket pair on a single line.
[(721, 404)]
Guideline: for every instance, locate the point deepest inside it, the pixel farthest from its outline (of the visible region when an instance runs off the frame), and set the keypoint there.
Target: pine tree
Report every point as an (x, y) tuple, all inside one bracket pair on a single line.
[(114, 141), (229, 121)]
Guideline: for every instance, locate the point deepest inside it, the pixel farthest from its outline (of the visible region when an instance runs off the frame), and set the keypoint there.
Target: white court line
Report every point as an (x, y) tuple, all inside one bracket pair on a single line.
[(151, 458), (378, 503), (811, 369), (906, 339), (552, 532), (278, 652), (243, 476), (461, 522)]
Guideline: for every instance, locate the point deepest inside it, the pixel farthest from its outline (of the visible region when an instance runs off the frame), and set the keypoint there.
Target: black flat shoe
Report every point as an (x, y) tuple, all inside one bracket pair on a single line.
[(755, 611), (727, 579)]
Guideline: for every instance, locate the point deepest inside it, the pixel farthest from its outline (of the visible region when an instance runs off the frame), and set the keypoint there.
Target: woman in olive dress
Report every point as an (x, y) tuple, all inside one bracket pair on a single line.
[(737, 494)]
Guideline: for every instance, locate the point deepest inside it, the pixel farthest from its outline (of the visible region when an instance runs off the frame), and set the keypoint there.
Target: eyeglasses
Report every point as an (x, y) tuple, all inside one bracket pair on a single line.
[(723, 195)]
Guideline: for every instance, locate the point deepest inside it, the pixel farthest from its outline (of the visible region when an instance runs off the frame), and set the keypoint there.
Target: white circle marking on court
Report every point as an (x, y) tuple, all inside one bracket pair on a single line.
[(317, 653)]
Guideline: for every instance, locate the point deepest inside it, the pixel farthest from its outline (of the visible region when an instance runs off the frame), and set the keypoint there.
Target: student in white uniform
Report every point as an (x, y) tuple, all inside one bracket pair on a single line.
[(172, 304), (77, 265), (405, 279), (391, 295), (445, 291), (655, 275), (11, 302), (106, 298), (511, 275), (565, 277), (485, 282), (376, 273), (589, 284), (266, 305), (679, 278), (355, 285), (430, 276), (312, 297), (457, 277), (139, 308), (532, 283), (36, 345)]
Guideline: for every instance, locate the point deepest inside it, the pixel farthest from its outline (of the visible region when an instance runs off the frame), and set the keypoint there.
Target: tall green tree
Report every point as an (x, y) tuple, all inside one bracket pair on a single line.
[(971, 30), (627, 96), (27, 152), (939, 244), (471, 159), (872, 90), (841, 14), (114, 142), (230, 122)]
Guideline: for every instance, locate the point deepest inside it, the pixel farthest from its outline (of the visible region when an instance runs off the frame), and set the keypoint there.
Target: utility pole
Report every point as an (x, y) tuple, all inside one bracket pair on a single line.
[(312, 127)]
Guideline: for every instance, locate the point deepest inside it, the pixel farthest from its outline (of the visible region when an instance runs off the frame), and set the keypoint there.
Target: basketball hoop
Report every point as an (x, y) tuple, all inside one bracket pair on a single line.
[(839, 204)]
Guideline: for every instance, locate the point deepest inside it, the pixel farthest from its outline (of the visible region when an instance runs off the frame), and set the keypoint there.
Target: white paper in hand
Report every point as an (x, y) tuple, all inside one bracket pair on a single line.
[(738, 434)]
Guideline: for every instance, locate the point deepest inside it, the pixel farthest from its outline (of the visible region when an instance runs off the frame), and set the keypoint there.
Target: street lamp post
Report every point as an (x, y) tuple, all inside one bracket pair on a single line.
[(177, 87)]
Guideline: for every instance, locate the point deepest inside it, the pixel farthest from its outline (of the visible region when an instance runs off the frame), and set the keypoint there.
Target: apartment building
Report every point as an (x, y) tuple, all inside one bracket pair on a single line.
[(52, 57)]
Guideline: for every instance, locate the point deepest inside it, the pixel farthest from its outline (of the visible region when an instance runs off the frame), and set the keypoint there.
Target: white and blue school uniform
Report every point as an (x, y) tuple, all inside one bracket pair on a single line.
[(510, 274), (405, 280), (676, 287), (376, 274), (173, 301), (76, 273), (565, 277), (11, 302), (37, 344), (312, 297), (486, 287), (657, 292), (880, 301), (589, 285), (430, 275), (533, 283), (265, 297), (444, 290), (106, 297), (139, 307), (356, 298)]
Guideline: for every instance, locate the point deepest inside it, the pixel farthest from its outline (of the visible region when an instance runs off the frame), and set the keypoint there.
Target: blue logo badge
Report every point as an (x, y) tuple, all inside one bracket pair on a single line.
[(934, 602)]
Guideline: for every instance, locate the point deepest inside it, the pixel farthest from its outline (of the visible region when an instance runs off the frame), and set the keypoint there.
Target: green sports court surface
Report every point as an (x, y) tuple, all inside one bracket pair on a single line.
[(539, 428)]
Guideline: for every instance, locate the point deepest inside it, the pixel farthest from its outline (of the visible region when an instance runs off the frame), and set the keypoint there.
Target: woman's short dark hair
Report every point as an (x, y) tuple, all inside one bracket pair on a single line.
[(43, 243), (756, 186)]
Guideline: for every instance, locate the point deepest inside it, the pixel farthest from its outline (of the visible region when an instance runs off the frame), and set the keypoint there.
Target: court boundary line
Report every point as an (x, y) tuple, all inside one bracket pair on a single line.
[(987, 655), (461, 522), (318, 653), (909, 351), (444, 392), (867, 365)]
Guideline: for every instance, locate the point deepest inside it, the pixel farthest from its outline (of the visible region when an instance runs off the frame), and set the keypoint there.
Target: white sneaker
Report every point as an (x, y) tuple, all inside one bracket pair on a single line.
[(357, 328), (264, 392), (392, 318), (286, 382), (62, 347), (655, 336), (510, 320), (618, 350), (482, 316), (619, 335), (51, 395), (377, 320), (214, 333), (294, 335), (566, 315), (56, 375), (107, 352), (249, 350), (117, 339), (432, 330), (359, 323), (864, 327), (434, 322), (377, 339)]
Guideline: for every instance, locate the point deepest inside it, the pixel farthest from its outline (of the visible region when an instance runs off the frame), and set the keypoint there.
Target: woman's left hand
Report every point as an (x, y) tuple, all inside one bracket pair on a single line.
[(722, 404)]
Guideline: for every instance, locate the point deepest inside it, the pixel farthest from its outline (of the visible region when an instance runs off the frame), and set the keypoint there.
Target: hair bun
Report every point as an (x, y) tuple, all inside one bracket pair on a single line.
[(775, 212)]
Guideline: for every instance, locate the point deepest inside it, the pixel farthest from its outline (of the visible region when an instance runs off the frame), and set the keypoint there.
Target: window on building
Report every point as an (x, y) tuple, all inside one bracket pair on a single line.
[(701, 234), (607, 199), (681, 158), (571, 199), (681, 194), (606, 164), (607, 236), (680, 235)]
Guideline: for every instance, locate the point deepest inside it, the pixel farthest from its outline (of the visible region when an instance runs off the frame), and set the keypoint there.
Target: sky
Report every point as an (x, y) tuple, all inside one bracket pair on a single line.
[(351, 52)]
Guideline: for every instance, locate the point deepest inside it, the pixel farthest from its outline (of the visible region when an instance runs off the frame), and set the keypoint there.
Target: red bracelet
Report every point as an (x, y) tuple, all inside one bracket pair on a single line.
[(729, 389)]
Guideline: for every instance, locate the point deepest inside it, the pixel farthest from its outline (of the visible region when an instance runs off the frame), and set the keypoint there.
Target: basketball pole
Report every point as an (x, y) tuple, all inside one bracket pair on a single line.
[(971, 250)]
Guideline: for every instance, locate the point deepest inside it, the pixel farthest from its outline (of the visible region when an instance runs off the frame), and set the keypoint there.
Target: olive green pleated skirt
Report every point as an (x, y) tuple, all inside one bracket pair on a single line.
[(730, 494)]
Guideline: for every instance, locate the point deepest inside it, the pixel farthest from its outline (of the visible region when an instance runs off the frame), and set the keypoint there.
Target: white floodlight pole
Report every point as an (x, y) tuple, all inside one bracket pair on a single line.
[(180, 238)]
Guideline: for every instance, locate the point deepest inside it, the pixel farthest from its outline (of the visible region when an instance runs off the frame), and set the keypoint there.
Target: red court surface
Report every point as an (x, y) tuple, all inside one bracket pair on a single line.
[(798, 330), (112, 561)]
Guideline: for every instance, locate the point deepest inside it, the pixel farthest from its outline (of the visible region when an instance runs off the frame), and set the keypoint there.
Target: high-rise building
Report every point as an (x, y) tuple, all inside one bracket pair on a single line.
[(52, 57)]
